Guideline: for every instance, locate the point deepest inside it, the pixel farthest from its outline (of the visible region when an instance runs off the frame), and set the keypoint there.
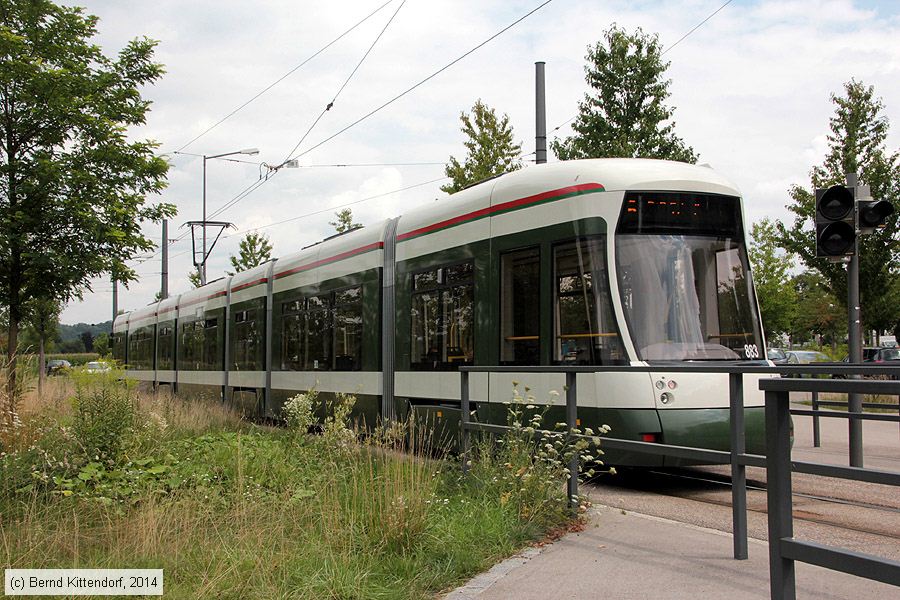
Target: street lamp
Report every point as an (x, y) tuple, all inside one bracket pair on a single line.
[(250, 151)]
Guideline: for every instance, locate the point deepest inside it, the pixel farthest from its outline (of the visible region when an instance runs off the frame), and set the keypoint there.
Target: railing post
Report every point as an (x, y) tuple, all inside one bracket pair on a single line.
[(738, 469), (778, 490), (572, 423), (817, 436), (464, 420)]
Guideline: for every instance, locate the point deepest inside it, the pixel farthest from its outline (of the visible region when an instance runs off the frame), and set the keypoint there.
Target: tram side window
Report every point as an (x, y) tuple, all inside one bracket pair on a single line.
[(442, 318), (164, 354), (247, 346), (119, 346), (348, 329), (140, 351), (317, 334), (210, 344), (293, 319), (585, 328), (520, 294), (191, 341), (200, 346)]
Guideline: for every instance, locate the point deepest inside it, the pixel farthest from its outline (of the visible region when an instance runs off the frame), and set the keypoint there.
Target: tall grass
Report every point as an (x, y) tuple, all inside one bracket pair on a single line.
[(231, 509)]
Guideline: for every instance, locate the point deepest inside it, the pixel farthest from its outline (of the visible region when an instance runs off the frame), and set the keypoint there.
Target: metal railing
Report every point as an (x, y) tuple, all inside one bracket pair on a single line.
[(784, 550), (816, 403)]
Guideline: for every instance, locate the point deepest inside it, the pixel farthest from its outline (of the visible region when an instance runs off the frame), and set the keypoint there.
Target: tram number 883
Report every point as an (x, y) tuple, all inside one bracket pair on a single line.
[(751, 351)]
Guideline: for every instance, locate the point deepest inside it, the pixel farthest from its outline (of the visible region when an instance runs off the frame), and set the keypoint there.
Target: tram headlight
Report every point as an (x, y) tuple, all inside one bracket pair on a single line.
[(666, 397)]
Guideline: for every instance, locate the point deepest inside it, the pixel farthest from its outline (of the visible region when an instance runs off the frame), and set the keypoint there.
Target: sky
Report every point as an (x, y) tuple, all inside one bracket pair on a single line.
[(751, 90)]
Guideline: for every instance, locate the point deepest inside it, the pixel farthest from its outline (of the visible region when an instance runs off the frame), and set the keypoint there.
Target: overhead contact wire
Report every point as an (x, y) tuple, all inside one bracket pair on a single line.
[(252, 188), (432, 76), (346, 81), (285, 76)]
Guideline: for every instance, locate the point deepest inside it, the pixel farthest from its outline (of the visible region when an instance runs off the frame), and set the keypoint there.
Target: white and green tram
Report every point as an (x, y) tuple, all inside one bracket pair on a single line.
[(592, 262)]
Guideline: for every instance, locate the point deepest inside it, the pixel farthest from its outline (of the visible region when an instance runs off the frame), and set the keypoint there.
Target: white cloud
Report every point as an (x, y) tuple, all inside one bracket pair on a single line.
[(751, 88)]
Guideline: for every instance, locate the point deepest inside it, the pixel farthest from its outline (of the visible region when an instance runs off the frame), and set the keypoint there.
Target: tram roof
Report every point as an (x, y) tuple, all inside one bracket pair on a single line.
[(620, 174)]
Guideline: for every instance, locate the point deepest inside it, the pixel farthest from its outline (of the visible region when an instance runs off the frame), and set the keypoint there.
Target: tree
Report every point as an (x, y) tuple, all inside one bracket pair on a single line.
[(194, 278), (101, 344), (254, 250), (43, 321), (344, 221), (73, 182), (774, 288), (87, 339), (819, 314), (856, 144), (624, 114), (491, 149)]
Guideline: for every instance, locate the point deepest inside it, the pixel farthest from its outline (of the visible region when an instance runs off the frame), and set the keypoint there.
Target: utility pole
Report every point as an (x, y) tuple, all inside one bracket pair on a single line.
[(164, 282), (203, 264), (854, 341), (540, 138), (115, 285)]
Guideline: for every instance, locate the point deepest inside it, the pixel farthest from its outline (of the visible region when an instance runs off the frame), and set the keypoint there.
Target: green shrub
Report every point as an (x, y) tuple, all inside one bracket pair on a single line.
[(527, 468), (104, 409), (298, 411)]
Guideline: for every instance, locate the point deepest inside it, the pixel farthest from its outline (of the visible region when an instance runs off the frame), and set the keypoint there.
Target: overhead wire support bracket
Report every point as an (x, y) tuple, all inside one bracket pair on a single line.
[(194, 225)]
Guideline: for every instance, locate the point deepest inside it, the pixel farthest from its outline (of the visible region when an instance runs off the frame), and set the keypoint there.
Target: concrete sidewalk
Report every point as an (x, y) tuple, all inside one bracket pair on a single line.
[(626, 555)]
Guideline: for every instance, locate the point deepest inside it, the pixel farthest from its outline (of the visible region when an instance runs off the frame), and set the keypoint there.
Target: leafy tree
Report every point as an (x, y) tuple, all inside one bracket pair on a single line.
[(101, 344), (856, 144), (73, 182), (624, 114), (819, 312), (491, 149), (72, 346), (344, 221), (194, 278), (43, 323), (254, 250), (87, 341), (774, 288)]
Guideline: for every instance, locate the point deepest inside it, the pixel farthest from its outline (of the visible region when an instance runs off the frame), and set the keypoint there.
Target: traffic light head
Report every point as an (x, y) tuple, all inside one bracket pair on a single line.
[(835, 221), (874, 213)]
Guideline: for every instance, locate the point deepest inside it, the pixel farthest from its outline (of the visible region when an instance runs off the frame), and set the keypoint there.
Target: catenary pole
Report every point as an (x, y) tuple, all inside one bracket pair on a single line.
[(115, 307), (203, 259), (854, 339), (164, 280), (540, 138)]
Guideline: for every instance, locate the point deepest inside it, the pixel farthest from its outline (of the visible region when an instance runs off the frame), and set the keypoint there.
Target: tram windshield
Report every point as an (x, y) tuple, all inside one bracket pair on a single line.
[(683, 278)]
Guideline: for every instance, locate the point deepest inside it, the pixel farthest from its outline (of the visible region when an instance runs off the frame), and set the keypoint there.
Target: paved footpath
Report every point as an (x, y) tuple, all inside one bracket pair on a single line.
[(624, 555), (630, 556)]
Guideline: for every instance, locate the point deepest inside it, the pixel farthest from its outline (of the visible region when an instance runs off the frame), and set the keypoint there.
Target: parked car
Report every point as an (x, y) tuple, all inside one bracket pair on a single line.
[(58, 366), (776, 355), (886, 355), (871, 355), (96, 367), (805, 357)]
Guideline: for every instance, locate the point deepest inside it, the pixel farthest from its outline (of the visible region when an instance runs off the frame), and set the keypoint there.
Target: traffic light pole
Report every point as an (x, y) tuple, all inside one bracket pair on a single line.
[(854, 339)]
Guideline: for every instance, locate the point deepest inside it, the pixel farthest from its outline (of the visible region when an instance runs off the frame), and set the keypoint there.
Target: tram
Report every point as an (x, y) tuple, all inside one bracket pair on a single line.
[(589, 262)]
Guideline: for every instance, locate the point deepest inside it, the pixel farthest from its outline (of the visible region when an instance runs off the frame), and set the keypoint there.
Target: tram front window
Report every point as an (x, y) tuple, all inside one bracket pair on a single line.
[(585, 329), (682, 270)]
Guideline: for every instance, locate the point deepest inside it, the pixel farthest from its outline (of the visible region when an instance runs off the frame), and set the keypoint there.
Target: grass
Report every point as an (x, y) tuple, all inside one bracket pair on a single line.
[(234, 510)]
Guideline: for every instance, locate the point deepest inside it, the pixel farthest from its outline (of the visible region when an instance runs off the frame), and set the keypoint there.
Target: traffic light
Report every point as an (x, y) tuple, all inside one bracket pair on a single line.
[(873, 214), (836, 221)]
